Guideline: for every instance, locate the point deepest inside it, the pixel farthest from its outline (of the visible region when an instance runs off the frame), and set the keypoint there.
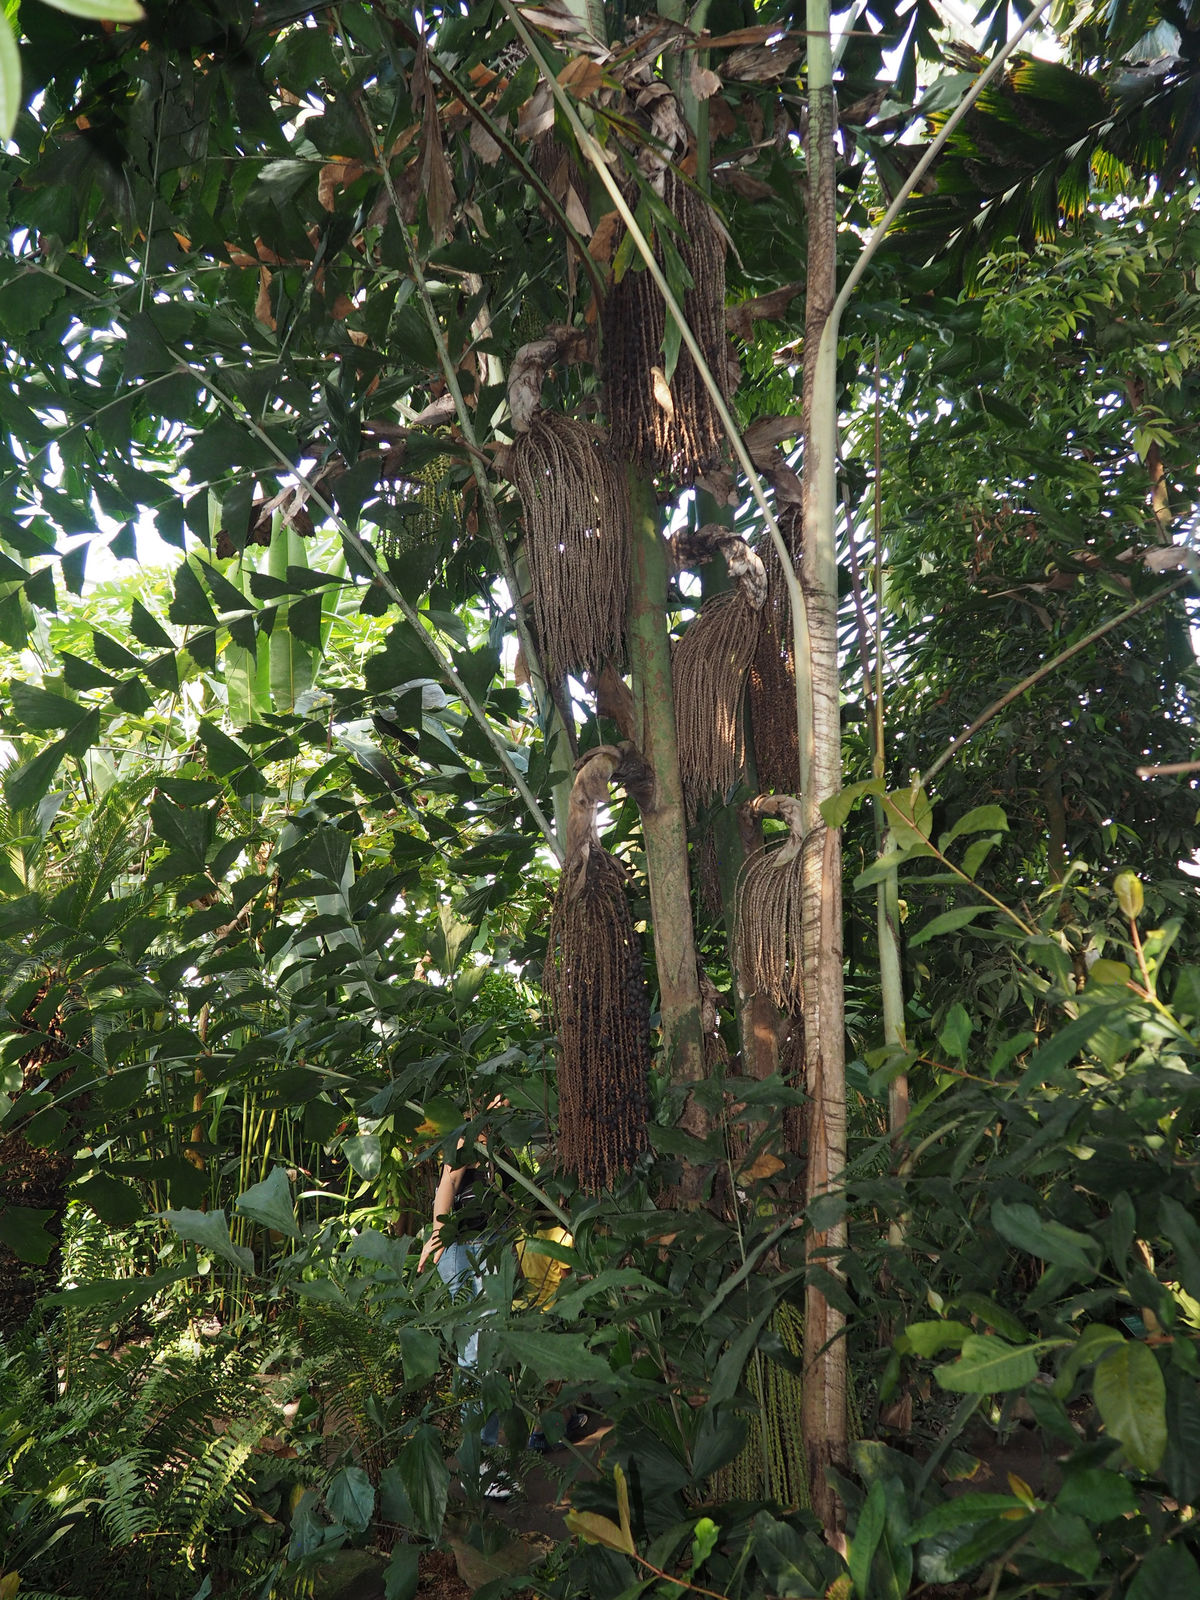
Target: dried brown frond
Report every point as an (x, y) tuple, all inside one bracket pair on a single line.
[(674, 441), (577, 541)]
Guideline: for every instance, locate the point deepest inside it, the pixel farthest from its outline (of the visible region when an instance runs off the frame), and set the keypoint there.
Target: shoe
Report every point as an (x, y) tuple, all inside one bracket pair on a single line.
[(579, 1425), (538, 1442), (499, 1486)]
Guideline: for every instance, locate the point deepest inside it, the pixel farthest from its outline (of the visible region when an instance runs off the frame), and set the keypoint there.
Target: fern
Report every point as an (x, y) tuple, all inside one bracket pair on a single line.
[(125, 1509)]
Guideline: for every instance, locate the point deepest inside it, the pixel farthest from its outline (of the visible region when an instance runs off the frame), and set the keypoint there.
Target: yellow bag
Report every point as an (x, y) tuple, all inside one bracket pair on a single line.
[(543, 1272)]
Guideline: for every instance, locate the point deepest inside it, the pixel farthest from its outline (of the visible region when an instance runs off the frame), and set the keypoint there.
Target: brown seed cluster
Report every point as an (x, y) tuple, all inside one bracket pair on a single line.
[(709, 665), (681, 438), (596, 997), (577, 542), (769, 939)]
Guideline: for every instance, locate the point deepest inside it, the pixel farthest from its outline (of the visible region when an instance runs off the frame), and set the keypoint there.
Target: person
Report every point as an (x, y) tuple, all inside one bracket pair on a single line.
[(461, 1256)]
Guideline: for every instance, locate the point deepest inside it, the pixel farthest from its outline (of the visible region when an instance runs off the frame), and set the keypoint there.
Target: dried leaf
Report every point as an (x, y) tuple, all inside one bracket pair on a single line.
[(537, 114), (582, 76), (483, 145), (576, 215), (739, 320), (764, 1166), (764, 433), (742, 183), (262, 305), (726, 41), (335, 175), (558, 19), (662, 390), (756, 64), (705, 82), (604, 240), (721, 121), (525, 380), (341, 308)]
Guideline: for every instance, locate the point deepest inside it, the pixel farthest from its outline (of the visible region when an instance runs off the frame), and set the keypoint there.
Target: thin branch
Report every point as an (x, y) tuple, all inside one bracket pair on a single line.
[(1044, 671), (1169, 769)]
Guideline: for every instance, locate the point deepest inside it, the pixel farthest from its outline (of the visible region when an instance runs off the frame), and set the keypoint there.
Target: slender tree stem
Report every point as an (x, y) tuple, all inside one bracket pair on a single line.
[(1044, 671)]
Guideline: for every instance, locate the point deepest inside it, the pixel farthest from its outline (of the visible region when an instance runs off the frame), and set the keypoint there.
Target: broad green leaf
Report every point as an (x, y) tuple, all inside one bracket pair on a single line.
[(270, 1203), (1097, 1494), (189, 606), (947, 922), (23, 1230), (596, 1529), (838, 807), (401, 1576), (1181, 1229), (1050, 1241), (794, 1569), (351, 1498), (1169, 1573), (866, 1537), (1128, 889), (100, 10), (961, 1512), (10, 80), (550, 1355), (983, 819), (956, 1032), (147, 630), (1090, 1346), (420, 1354), (1067, 1539), (988, 1365), (927, 1338), (365, 1155), (114, 1201), (39, 709), (1109, 972), (210, 1230), (1131, 1397), (910, 816), (425, 1477)]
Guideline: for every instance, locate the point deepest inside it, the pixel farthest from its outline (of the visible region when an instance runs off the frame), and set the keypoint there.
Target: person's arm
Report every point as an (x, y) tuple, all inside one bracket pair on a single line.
[(443, 1204)]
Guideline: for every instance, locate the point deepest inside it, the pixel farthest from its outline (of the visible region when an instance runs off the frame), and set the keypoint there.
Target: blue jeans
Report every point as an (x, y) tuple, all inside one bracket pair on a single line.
[(461, 1270)]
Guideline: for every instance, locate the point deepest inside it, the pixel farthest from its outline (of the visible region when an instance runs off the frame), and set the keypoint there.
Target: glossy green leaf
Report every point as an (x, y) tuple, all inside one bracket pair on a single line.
[(1169, 1573), (270, 1203), (1022, 1226), (351, 1498), (1131, 1398), (988, 1365), (210, 1231), (10, 80), (422, 1470), (23, 1230), (947, 922)]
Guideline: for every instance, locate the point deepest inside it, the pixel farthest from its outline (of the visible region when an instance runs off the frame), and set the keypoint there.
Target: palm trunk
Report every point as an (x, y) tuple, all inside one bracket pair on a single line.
[(664, 818), (824, 1345)]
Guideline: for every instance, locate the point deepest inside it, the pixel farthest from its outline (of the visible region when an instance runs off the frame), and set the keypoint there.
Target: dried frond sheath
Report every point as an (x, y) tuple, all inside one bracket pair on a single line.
[(595, 993), (772, 685), (577, 541), (768, 940), (677, 440)]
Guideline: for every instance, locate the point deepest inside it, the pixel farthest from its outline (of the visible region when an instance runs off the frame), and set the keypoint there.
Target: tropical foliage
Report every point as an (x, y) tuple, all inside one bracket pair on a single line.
[(417, 748)]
